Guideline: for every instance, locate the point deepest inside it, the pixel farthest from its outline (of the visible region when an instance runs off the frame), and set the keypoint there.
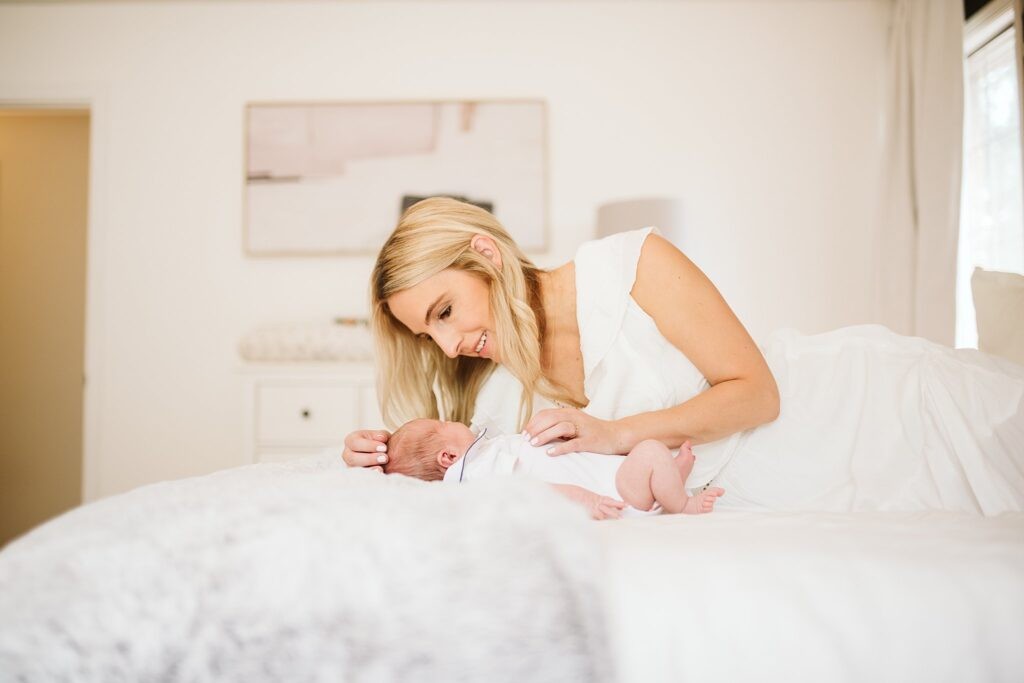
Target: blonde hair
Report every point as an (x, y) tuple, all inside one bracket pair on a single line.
[(413, 449), (434, 235)]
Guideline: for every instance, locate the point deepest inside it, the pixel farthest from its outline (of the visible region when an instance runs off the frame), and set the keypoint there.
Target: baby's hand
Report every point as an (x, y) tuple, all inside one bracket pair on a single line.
[(604, 507), (600, 507)]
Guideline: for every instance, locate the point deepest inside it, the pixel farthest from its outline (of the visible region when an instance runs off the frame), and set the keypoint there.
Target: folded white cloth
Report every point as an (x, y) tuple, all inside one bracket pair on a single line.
[(324, 341)]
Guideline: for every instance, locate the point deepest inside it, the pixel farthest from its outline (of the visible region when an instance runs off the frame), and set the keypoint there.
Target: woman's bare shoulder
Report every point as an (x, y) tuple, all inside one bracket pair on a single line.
[(661, 263), (691, 313)]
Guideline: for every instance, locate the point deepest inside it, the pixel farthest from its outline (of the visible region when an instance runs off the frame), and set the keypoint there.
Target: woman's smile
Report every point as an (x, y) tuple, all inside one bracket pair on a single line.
[(448, 307)]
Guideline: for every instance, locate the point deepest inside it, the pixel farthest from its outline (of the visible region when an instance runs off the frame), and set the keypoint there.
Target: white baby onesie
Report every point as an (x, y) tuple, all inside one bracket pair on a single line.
[(513, 454)]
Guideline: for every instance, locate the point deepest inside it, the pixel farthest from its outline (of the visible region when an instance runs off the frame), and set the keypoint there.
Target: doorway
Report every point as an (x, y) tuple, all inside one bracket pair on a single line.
[(44, 165)]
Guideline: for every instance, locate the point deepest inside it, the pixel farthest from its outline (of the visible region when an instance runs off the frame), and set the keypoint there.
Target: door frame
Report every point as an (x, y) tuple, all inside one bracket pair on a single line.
[(95, 99)]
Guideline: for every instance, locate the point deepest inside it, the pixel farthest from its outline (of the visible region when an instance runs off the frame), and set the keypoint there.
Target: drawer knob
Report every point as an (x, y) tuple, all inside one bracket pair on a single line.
[(305, 413)]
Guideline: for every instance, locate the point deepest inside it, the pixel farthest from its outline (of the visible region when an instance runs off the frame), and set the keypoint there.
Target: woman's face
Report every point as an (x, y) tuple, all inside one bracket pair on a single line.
[(452, 308)]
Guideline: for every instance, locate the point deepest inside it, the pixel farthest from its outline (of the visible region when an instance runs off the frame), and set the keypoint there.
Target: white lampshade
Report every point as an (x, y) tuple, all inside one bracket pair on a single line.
[(630, 214)]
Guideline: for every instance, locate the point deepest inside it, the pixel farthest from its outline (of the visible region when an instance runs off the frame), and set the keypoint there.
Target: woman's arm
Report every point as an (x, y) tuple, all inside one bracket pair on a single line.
[(691, 313)]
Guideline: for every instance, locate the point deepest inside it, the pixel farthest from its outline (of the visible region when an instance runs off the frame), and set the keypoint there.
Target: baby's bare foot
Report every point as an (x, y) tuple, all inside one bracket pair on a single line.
[(703, 502), (685, 460)]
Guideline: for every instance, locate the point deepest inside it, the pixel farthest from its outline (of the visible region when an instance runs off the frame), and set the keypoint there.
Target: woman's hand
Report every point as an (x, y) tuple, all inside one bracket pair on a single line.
[(367, 448), (574, 430)]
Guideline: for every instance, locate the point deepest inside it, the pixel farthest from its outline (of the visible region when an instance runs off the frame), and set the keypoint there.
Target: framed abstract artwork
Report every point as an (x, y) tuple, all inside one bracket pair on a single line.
[(333, 178)]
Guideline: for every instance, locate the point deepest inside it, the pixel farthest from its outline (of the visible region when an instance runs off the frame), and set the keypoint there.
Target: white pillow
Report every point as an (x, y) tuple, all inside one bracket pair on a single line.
[(999, 309)]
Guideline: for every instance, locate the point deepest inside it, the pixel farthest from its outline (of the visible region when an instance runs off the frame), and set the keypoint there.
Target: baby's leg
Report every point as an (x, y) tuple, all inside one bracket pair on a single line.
[(703, 501), (685, 461), (650, 474)]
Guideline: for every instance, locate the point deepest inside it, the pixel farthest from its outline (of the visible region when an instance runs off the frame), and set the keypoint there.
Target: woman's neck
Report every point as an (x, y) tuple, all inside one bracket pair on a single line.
[(556, 313), (553, 298)]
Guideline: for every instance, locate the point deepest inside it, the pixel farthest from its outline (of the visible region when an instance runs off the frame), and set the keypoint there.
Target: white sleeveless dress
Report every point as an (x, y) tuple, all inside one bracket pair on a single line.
[(869, 420)]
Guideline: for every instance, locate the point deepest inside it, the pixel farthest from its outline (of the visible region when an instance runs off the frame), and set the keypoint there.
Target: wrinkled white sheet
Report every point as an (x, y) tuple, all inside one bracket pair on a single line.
[(743, 596), (307, 571)]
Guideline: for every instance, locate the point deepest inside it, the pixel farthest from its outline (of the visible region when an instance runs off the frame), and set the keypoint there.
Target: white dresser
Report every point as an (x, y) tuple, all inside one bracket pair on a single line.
[(297, 409)]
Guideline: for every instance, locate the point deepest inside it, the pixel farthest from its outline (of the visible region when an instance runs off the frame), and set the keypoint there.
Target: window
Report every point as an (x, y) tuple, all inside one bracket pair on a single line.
[(991, 213)]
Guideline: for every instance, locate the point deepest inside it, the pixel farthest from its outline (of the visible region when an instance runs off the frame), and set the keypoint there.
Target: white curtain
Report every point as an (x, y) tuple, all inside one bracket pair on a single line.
[(915, 274)]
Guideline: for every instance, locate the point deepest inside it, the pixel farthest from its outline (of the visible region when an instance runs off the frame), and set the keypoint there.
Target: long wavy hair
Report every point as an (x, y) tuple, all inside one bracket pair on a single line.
[(434, 235)]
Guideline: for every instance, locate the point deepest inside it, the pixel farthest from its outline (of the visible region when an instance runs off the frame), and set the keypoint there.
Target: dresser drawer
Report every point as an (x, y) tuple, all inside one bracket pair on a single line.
[(303, 413)]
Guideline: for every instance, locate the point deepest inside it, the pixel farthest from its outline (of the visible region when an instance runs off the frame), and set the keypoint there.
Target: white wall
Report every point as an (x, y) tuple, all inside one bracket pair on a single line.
[(763, 116)]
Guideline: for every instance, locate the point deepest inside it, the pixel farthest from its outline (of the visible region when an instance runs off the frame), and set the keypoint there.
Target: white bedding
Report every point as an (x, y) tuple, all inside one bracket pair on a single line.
[(744, 596), (307, 572)]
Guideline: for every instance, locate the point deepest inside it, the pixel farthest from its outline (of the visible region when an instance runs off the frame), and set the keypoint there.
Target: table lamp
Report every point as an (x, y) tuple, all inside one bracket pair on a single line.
[(630, 214)]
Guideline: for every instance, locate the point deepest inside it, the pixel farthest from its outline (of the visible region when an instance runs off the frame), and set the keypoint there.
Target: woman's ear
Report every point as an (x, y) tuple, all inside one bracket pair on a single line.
[(486, 246)]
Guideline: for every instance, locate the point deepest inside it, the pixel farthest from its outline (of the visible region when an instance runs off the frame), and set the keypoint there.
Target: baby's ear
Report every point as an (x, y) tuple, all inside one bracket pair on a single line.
[(445, 459)]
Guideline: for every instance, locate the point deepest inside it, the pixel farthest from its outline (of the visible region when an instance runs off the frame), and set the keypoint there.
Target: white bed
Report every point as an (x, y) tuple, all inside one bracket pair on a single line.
[(311, 571), (751, 596)]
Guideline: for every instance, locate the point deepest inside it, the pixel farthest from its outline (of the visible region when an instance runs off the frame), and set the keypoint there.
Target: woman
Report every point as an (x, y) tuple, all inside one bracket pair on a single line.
[(630, 341)]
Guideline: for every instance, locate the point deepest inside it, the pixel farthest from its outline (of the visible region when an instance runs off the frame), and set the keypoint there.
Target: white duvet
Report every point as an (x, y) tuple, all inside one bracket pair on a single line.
[(312, 572), (307, 572), (867, 596)]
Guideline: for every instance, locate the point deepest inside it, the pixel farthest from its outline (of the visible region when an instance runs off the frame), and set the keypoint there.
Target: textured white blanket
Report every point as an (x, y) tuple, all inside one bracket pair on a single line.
[(307, 572)]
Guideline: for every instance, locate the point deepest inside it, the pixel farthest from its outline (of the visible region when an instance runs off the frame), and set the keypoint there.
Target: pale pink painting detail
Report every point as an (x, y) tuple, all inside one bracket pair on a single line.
[(331, 178)]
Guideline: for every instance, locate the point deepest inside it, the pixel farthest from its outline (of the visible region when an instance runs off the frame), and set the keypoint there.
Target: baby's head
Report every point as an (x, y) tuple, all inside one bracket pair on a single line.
[(425, 449)]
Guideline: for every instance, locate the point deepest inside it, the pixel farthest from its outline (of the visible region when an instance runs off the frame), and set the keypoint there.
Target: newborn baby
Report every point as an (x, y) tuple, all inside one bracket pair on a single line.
[(649, 476)]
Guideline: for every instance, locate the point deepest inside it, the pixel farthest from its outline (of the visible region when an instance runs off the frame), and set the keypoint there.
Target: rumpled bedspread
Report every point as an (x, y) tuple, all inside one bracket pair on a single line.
[(307, 571)]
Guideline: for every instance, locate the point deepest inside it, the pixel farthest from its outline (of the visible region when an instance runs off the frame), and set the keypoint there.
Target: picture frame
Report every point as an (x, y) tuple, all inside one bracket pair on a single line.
[(332, 178)]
